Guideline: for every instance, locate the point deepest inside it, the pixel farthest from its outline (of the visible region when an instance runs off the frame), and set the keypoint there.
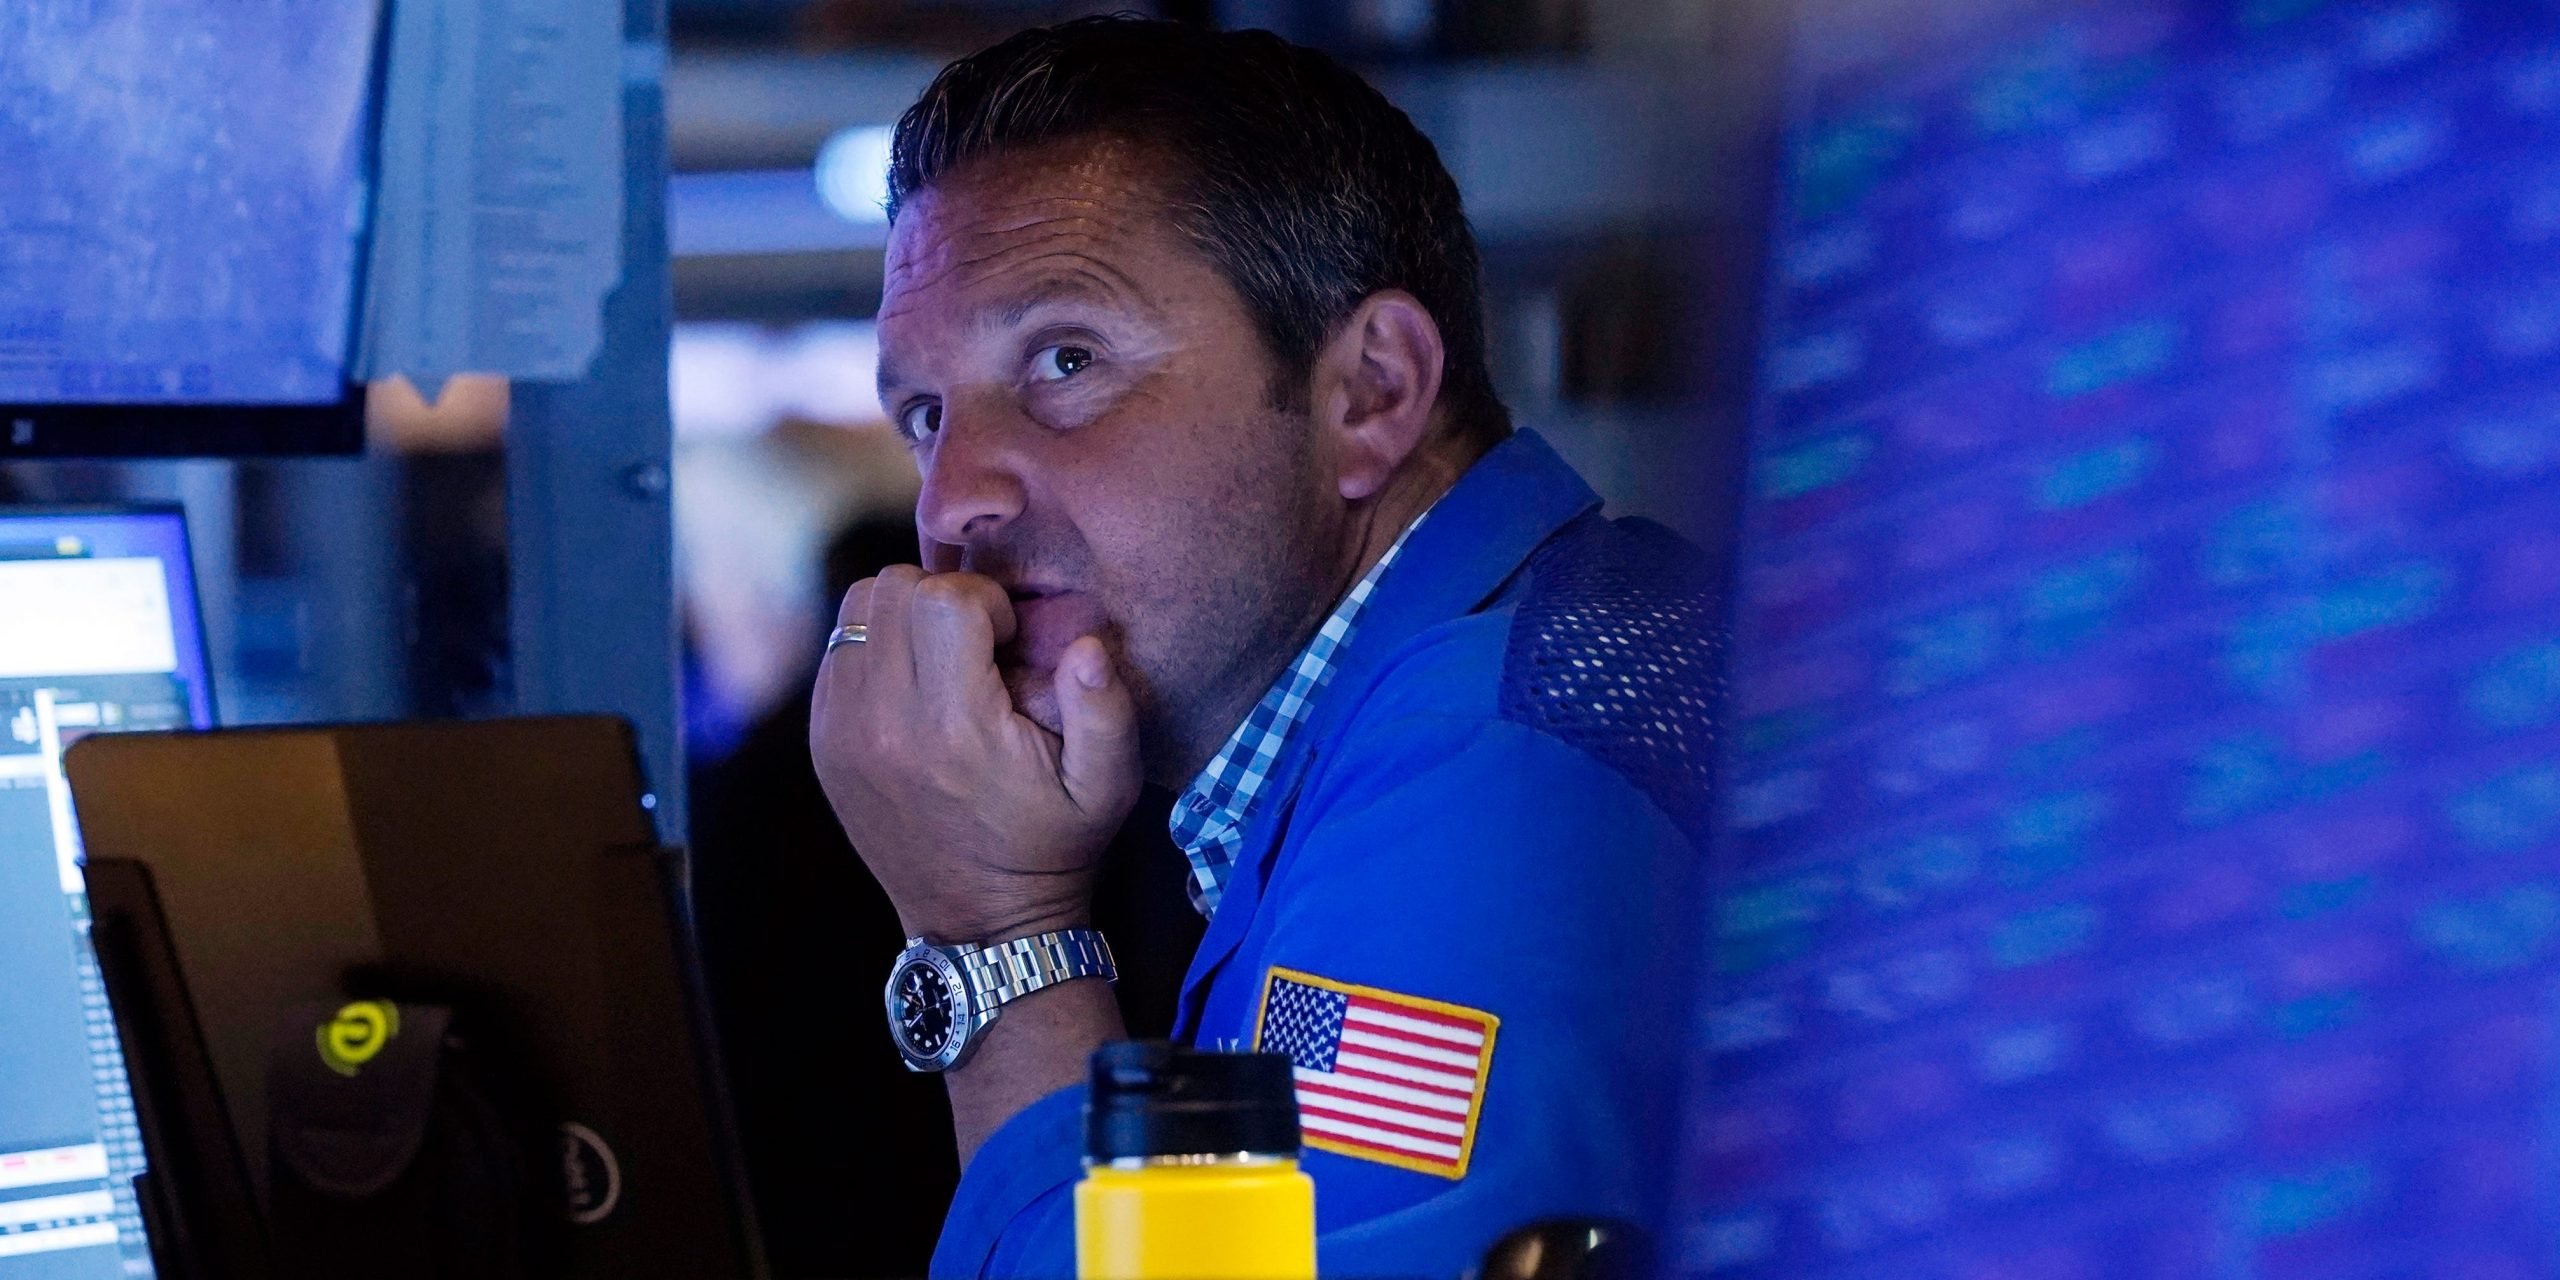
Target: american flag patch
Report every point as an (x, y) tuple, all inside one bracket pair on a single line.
[(1381, 1077)]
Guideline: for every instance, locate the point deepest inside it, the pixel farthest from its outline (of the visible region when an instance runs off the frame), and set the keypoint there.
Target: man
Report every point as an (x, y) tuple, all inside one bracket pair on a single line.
[(1184, 331)]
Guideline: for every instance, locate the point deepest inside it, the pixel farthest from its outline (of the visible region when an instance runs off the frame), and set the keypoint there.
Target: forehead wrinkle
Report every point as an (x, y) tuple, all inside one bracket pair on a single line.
[(989, 227), (977, 211), (1075, 279), (1065, 274), (985, 250), (1056, 276), (1083, 280)]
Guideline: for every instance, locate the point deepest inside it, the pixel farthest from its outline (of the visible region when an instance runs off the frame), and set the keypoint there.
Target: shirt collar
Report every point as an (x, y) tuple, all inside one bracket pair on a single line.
[(1208, 818)]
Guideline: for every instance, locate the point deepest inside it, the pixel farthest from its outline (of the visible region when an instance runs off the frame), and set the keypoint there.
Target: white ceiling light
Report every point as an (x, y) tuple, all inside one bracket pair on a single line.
[(728, 379), (853, 173)]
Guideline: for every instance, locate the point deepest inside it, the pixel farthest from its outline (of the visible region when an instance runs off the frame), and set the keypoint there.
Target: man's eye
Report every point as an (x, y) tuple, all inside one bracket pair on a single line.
[(920, 420), (1050, 364)]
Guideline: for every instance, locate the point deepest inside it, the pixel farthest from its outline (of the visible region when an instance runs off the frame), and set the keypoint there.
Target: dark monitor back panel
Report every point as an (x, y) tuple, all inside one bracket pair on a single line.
[(201, 1214), (511, 860), (2143, 833)]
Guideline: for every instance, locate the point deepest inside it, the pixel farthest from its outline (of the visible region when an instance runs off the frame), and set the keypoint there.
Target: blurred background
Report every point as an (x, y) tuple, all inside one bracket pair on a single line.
[(2144, 773)]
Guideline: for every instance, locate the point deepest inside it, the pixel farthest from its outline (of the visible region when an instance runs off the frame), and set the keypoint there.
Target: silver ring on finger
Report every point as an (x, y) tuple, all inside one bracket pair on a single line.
[(850, 633)]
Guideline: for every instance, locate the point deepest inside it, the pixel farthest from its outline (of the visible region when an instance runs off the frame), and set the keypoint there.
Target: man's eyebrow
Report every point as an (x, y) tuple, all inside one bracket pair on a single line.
[(1005, 313), (885, 377), (1051, 291)]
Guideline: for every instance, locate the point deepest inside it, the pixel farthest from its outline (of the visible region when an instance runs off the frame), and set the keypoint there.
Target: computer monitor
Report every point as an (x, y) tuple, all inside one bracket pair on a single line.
[(99, 632), (2141, 852), (181, 237), (506, 868)]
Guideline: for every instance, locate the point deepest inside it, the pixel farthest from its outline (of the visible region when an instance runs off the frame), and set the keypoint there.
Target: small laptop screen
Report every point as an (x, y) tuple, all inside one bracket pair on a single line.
[(99, 632)]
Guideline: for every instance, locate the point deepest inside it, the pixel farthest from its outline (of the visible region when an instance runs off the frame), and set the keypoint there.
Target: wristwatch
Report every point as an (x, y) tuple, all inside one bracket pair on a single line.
[(941, 998)]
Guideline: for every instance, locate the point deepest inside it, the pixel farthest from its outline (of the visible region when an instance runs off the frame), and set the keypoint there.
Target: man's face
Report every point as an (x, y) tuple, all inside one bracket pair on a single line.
[(1089, 404)]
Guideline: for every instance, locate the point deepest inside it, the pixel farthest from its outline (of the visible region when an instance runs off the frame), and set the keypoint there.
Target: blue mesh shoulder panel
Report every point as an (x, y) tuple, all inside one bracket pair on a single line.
[(1616, 647)]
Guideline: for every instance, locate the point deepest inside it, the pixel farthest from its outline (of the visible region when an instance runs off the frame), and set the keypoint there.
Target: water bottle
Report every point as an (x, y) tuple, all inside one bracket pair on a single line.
[(1191, 1168)]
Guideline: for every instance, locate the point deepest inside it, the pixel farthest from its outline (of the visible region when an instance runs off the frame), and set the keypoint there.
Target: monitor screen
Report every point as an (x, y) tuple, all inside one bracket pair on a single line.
[(2142, 845), (185, 223), (99, 632)]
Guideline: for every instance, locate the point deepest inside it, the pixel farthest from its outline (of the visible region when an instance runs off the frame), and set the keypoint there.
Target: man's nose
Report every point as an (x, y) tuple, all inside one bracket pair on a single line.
[(972, 479)]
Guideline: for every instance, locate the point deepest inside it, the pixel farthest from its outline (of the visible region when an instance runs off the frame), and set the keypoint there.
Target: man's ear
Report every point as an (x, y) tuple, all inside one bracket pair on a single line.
[(1377, 385)]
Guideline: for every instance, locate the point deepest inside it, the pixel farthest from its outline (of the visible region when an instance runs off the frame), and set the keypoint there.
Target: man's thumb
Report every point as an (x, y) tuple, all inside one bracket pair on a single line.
[(1100, 762)]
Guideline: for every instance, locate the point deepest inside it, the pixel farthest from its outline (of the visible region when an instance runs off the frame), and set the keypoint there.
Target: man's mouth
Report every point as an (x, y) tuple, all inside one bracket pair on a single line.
[(1047, 618)]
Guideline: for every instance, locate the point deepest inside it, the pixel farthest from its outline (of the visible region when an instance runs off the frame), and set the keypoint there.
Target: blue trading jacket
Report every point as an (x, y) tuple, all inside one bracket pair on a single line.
[(1494, 811)]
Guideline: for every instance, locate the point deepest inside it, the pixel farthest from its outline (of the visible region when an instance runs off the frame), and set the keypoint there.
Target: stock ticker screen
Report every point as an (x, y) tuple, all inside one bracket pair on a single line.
[(182, 214), (2142, 846)]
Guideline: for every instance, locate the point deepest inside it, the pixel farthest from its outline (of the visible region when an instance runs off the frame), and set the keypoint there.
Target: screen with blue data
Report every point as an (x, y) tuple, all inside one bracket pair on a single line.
[(2142, 842), (99, 632), (185, 192)]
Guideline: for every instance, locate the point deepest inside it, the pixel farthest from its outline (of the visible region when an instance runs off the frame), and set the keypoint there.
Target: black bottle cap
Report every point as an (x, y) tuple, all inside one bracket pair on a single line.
[(1150, 1099)]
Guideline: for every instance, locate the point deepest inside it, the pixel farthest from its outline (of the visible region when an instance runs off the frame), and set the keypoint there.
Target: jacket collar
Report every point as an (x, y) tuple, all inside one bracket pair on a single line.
[(1479, 535), (1513, 499)]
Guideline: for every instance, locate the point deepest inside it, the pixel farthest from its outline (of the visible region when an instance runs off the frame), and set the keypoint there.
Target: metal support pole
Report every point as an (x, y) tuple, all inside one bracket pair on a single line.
[(591, 538)]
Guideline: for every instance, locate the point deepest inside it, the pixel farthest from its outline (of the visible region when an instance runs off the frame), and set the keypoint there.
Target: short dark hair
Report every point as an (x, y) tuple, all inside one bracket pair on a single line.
[(1303, 185)]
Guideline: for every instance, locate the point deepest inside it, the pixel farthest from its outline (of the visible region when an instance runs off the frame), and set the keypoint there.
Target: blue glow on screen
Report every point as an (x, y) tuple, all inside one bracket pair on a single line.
[(132, 534), (180, 220), (99, 633), (2143, 842)]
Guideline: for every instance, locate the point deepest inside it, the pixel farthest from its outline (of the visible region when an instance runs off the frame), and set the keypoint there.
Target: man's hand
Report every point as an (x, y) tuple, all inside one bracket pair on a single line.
[(980, 824)]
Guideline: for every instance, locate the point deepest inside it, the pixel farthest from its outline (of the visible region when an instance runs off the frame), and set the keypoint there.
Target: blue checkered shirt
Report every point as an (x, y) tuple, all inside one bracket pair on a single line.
[(1208, 818)]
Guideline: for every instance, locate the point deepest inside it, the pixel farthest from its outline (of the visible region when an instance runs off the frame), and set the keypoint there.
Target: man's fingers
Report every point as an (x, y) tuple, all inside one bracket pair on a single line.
[(856, 605), (1100, 762), (886, 650), (955, 622), (854, 608)]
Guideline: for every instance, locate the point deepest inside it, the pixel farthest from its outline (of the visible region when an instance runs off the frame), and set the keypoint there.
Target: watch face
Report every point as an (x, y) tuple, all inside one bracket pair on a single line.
[(924, 1010)]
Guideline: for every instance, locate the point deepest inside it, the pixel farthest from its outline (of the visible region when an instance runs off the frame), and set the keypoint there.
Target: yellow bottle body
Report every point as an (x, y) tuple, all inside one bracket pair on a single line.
[(1224, 1220)]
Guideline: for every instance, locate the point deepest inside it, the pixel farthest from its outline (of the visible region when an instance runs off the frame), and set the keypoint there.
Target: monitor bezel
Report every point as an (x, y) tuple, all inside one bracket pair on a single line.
[(183, 430)]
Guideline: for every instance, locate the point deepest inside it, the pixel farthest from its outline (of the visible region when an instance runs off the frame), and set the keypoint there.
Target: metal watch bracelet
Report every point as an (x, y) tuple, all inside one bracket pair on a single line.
[(1006, 971)]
